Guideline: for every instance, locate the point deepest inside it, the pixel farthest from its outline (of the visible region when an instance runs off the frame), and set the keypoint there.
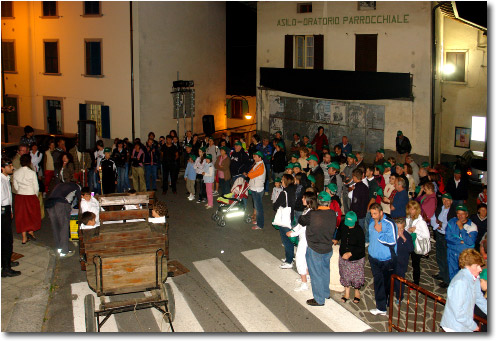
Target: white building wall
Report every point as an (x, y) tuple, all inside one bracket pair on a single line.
[(184, 37), (463, 100), (71, 29), (402, 47)]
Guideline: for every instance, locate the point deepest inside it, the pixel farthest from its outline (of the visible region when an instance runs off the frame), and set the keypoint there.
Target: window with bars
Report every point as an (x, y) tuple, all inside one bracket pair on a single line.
[(49, 8), (93, 57), (11, 115), (91, 8), (8, 56), (51, 57), (7, 9)]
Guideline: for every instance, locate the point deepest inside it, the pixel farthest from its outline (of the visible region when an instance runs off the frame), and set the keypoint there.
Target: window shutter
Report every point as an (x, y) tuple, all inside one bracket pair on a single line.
[(228, 108), (82, 112), (245, 106), (318, 51), (105, 122), (288, 52)]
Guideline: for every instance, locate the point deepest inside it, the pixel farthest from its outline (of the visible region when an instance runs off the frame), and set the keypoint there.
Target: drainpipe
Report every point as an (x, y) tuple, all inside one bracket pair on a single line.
[(132, 68), (433, 84)]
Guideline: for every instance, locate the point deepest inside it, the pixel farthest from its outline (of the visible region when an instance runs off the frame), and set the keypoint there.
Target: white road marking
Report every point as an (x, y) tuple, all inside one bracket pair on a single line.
[(246, 307), (332, 314), (82, 289), (185, 320)]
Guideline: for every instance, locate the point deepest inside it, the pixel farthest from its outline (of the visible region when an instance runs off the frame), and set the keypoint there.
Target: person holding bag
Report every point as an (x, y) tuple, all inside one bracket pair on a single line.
[(417, 227), (286, 199)]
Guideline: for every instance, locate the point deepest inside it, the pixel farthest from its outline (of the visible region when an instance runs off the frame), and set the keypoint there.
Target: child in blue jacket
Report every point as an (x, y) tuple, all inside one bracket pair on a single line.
[(190, 176)]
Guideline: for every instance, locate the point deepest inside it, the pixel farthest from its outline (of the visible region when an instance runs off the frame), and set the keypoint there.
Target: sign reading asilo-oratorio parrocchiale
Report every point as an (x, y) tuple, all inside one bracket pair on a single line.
[(346, 20)]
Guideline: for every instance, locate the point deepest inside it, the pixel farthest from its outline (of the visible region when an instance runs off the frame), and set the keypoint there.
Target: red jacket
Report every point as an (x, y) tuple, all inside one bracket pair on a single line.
[(320, 141), (335, 207)]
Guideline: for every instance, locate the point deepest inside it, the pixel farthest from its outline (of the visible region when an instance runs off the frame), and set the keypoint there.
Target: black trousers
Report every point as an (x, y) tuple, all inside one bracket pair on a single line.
[(7, 237), (416, 267), (381, 271), (60, 215), (173, 170), (200, 187)]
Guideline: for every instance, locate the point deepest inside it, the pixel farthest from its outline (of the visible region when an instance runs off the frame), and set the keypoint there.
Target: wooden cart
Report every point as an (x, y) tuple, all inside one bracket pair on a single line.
[(126, 257)]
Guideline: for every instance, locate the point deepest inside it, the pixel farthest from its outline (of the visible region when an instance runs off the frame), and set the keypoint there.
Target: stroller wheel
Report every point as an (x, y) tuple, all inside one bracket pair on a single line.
[(218, 218), (222, 223), (214, 216), (247, 219)]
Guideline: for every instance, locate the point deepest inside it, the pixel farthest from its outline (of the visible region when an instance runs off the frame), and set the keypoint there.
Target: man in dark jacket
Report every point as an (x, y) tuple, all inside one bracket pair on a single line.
[(120, 156), (240, 161), (321, 224), (403, 147), (170, 155), (360, 198), (317, 172), (458, 188)]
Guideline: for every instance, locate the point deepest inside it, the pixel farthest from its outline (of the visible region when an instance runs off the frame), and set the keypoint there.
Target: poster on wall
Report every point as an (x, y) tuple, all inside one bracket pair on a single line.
[(356, 116), (276, 124), (462, 137), (323, 111), (338, 113), (276, 105)]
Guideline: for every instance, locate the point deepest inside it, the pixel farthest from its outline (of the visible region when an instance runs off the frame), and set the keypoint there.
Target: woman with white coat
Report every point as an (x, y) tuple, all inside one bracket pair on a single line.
[(417, 225), (27, 205)]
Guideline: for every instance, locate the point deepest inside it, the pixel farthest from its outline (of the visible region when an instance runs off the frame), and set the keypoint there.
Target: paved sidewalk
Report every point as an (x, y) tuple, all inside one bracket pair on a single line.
[(25, 297)]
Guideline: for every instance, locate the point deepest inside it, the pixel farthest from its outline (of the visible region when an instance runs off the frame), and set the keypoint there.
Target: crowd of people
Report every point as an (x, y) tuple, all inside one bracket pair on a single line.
[(388, 208)]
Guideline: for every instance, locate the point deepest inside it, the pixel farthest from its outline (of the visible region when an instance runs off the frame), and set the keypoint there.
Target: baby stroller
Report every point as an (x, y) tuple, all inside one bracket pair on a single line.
[(231, 204)]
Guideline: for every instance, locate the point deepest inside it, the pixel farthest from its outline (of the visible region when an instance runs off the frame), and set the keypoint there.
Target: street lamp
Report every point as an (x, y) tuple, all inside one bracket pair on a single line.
[(248, 116)]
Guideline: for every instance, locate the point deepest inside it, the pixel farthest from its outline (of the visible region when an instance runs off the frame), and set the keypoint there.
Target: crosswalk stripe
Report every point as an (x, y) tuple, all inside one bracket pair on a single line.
[(82, 289), (253, 315), (185, 320), (332, 314)]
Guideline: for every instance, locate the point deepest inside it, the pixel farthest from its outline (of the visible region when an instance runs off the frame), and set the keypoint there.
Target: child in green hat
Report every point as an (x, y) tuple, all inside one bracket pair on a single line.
[(276, 190)]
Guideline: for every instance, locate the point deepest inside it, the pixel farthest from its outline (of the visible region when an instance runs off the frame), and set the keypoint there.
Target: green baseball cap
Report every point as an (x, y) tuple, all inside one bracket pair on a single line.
[(483, 274), (280, 144), (259, 153), (296, 156), (334, 165), (277, 180), (380, 168), (324, 196), (350, 219), (387, 164), (457, 171), (192, 156), (188, 145), (353, 156), (296, 134), (399, 133), (379, 192), (208, 156), (290, 166), (425, 165), (332, 187), (400, 165), (306, 136), (447, 196), (417, 189), (238, 143), (107, 150), (380, 151), (325, 147), (462, 208), (309, 146), (226, 149), (203, 149), (332, 154), (313, 157), (279, 132), (311, 178), (296, 165)]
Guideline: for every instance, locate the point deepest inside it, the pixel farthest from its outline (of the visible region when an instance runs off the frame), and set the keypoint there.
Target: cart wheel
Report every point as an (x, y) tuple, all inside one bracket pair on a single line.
[(168, 295), (89, 313), (218, 218), (222, 223), (248, 219), (214, 216)]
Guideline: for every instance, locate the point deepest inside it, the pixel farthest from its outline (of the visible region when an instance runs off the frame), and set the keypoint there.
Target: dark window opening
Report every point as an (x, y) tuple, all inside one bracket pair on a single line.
[(305, 7), (366, 52), (8, 56), (10, 115), (51, 57), (236, 108), (54, 116), (49, 8), (93, 58), (7, 11), (92, 8)]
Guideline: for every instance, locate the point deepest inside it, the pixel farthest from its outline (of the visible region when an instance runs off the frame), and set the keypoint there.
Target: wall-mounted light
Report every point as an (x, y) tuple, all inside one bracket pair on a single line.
[(248, 116), (449, 69)]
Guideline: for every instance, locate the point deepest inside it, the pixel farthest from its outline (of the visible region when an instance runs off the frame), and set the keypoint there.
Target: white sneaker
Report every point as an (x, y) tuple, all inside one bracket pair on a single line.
[(191, 197), (286, 266), (65, 255), (302, 287), (377, 312)]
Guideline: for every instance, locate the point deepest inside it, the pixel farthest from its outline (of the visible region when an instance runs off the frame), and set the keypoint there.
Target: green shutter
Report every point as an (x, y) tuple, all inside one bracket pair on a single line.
[(228, 108), (245, 106)]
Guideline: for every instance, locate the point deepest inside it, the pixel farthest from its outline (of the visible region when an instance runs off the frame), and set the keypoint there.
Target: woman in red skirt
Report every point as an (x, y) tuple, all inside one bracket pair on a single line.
[(26, 206)]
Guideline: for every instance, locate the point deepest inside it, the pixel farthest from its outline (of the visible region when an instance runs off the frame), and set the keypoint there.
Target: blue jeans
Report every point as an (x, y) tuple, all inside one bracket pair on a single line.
[(257, 203), (121, 179), (367, 222), (297, 215), (126, 178), (268, 172), (151, 172), (320, 274), (442, 255), (288, 245)]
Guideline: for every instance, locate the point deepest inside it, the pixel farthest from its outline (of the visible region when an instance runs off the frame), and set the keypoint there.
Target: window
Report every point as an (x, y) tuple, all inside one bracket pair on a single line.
[(366, 5), (11, 114), (91, 8), (93, 57), (305, 7), (49, 9), (455, 66), (307, 54), (7, 9), (237, 108), (304, 52), (8, 56), (478, 128), (53, 113), (99, 113), (51, 57), (366, 52)]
